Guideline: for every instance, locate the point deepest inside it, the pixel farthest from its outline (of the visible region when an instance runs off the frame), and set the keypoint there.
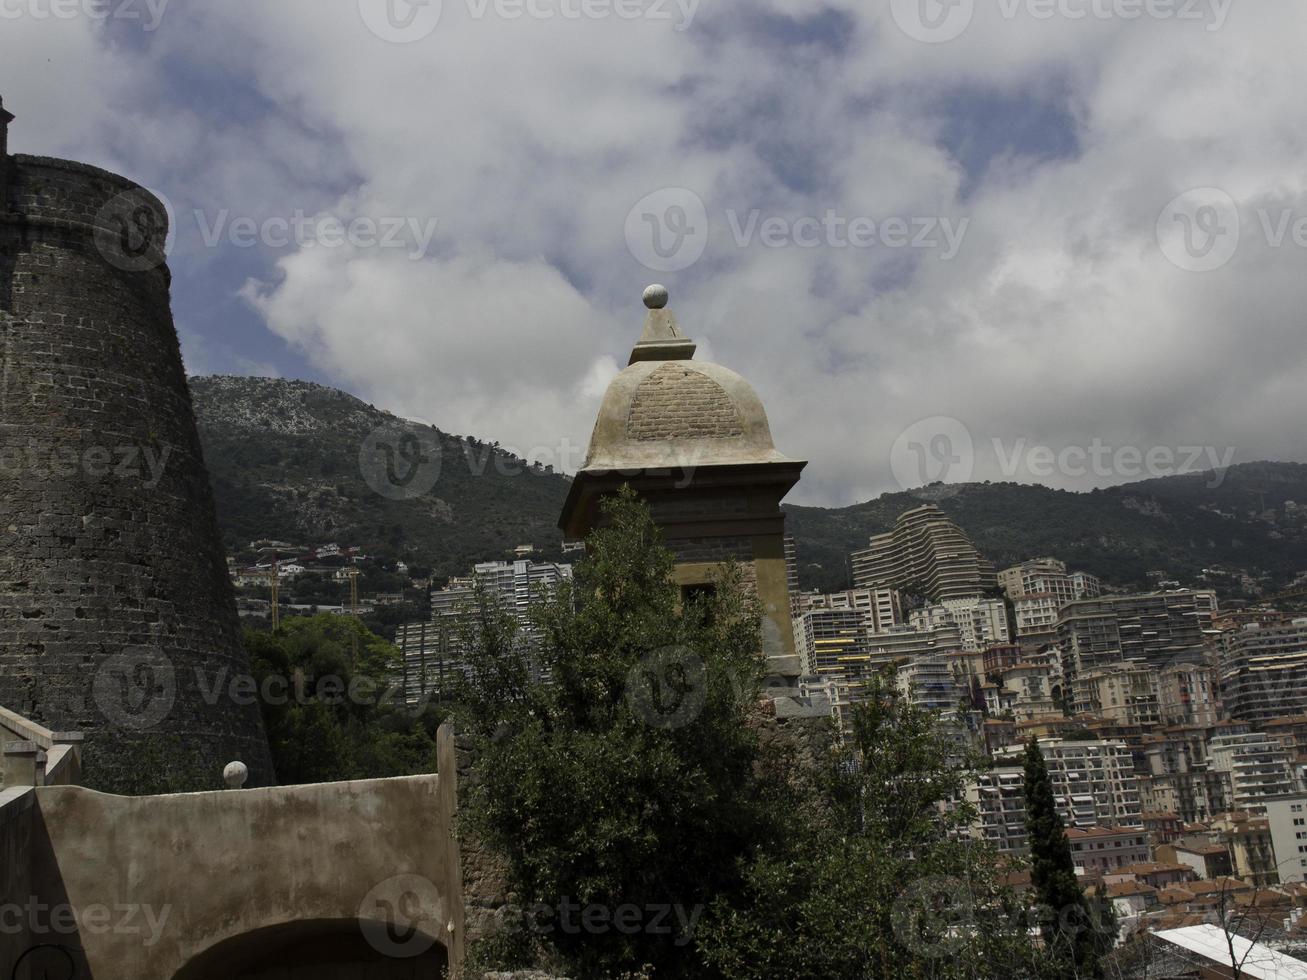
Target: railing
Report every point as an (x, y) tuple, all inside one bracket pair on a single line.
[(32, 755)]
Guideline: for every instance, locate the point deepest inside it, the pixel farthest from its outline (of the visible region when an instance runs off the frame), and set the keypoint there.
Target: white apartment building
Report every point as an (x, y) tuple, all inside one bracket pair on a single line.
[(1254, 767), (1048, 576), (999, 796), (929, 682), (1093, 786), (981, 623), (1094, 781), (832, 630), (1287, 817)]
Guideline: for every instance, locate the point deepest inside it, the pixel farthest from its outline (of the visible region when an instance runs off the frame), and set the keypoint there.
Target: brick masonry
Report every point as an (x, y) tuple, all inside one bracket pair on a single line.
[(678, 402), (117, 617)]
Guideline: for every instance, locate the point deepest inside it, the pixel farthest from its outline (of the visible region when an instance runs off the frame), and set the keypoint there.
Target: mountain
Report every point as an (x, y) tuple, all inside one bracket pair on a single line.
[(285, 460), (289, 461), (1246, 524)]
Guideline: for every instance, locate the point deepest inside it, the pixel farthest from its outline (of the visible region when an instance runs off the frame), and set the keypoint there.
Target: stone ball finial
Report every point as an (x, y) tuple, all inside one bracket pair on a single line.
[(655, 297), (235, 774)]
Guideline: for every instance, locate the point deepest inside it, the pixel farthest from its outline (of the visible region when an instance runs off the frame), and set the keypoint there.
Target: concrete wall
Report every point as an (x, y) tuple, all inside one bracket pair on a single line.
[(243, 882), (17, 820)]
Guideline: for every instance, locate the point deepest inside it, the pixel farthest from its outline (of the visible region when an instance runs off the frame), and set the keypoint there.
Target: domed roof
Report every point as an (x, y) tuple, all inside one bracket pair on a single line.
[(666, 410)]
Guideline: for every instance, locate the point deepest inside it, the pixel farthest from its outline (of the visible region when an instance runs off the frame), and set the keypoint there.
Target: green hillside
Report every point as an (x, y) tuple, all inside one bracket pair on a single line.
[(284, 457)]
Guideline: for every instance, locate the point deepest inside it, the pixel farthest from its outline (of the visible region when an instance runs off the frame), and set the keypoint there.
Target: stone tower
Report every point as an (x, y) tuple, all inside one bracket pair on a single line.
[(117, 617), (692, 439)]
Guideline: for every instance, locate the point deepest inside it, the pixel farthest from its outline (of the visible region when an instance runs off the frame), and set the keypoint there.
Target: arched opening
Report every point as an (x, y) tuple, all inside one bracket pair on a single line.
[(344, 949)]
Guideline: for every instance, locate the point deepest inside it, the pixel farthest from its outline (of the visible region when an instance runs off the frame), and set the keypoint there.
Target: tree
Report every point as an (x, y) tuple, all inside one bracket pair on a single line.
[(1066, 924), (330, 718), (629, 785), (876, 877)]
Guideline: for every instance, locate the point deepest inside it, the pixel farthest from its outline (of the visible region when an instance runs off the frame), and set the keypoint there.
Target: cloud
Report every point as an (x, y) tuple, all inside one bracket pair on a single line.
[(1051, 146)]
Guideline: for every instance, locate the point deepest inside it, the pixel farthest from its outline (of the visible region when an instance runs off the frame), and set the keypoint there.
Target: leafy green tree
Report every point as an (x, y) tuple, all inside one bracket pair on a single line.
[(632, 780), (876, 877), (330, 716), (1068, 928)]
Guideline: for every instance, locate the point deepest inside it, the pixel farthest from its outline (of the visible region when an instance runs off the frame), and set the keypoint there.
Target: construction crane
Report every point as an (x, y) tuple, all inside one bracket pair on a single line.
[(274, 587), (353, 574)]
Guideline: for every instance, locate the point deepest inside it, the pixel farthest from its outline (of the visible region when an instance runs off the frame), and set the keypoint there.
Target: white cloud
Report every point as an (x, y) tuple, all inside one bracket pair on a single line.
[(1060, 321)]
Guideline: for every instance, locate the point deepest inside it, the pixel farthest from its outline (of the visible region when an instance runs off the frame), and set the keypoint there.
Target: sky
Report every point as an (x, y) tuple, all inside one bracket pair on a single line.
[(1052, 241)]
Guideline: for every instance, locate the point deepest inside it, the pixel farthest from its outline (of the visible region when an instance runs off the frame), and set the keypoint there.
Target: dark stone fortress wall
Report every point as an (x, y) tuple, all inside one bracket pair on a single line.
[(117, 616)]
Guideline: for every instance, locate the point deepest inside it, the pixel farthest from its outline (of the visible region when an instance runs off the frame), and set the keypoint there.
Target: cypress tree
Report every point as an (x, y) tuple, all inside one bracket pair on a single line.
[(1065, 922)]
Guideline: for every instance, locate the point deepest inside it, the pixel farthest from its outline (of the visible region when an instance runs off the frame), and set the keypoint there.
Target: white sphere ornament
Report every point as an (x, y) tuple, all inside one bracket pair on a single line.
[(655, 297), (235, 774)]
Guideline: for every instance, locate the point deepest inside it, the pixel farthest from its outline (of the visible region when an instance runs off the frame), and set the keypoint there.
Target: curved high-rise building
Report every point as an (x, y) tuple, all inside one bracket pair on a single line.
[(117, 616), (927, 554)]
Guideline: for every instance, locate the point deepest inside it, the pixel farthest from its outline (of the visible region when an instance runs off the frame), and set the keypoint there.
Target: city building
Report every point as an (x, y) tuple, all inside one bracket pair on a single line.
[(981, 623), (1157, 628), (900, 644), (692, 439), (1048, 576), (432, 650), (925, 554), (1124, 693), (1254, 767), (931, 683), (1264, 671), (1099, 771), (1036, 685), (1248, 837), (999, 797), (1100, 850), (1188, 694), (1207, 860), (1286, 818)]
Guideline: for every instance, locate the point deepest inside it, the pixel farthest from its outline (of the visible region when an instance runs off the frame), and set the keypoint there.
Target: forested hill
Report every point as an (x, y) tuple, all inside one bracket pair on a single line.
[(284, 460)]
